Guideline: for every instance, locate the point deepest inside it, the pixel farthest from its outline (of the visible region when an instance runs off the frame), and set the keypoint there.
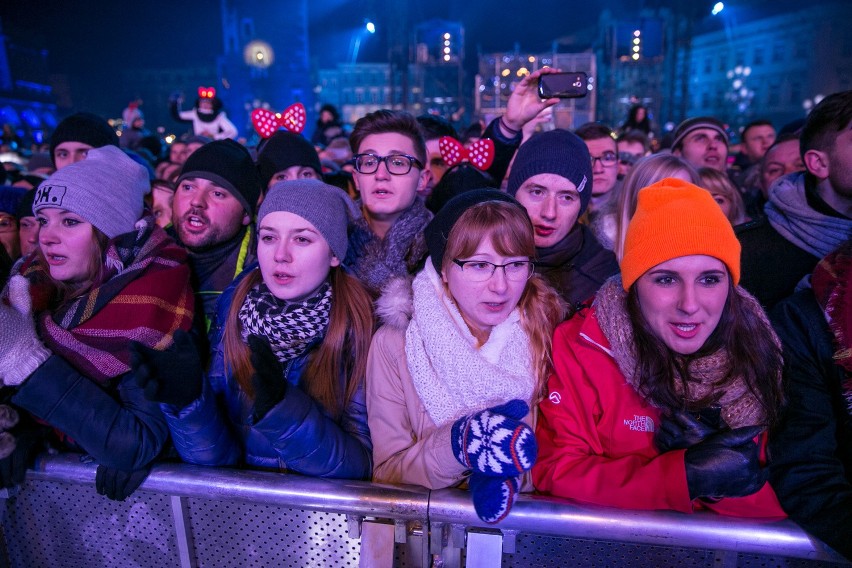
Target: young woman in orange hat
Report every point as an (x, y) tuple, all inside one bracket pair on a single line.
[(664, 389)]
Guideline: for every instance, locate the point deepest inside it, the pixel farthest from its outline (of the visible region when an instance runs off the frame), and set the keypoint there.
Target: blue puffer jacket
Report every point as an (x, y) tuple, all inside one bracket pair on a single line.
[(296, 435)]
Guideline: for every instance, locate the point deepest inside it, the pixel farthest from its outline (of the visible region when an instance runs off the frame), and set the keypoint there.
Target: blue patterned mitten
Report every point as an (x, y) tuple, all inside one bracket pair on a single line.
[(494, 441), (493, 497)]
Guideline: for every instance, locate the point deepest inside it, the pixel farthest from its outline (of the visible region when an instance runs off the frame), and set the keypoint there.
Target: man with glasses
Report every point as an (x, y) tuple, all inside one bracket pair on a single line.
[(633, 145), (600, 217), (552, 178), (600, 140), (389, 160)]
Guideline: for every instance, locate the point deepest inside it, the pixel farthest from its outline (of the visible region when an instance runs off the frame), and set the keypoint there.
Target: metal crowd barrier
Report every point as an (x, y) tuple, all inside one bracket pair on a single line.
[(191, 516)]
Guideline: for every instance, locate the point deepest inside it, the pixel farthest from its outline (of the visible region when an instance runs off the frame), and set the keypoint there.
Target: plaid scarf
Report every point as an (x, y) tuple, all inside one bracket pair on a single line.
[(143, 295), (290, 328), (832, 284)]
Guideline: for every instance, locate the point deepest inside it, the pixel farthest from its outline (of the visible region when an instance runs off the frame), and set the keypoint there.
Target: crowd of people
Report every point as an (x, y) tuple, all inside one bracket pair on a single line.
[(508, 311)]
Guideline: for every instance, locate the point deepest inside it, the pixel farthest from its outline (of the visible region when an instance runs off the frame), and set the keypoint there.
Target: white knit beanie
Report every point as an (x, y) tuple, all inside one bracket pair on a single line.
[(106, 189)]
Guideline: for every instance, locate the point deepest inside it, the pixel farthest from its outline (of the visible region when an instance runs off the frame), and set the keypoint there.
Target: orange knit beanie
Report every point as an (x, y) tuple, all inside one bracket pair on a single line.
[(675, 218)]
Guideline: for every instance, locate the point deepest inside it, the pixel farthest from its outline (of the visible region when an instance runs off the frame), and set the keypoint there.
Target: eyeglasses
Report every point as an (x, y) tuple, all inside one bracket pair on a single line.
[(628, 159), (607, 159), (397, 164), (481, 270)]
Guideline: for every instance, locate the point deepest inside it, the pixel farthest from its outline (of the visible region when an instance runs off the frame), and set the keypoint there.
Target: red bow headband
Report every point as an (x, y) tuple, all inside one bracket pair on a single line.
[(206, 92), (480, 154), (267, 122)]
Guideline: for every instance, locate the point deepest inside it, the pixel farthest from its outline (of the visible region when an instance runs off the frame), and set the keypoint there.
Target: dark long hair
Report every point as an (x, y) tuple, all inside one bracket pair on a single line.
[(748, 341)]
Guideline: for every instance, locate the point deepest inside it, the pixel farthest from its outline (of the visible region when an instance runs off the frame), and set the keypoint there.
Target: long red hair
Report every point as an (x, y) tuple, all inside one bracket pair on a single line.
[(510, 231), (344, 346)]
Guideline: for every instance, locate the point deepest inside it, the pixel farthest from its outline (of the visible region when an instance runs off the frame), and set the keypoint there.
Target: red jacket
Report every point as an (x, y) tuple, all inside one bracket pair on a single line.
[(596, 436)]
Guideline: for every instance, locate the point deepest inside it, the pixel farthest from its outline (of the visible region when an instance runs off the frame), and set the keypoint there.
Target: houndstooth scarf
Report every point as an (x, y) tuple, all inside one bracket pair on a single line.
[(289, 327)]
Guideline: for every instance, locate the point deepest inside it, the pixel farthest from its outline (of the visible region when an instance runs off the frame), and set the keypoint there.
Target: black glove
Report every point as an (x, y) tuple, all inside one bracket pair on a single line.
[(28, 442), (725, 465), (681, 430), (118, 485), (270, 385), (172, 376)]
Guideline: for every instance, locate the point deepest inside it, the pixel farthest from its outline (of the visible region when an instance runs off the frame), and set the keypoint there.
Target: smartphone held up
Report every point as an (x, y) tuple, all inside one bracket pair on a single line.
[(571, 85)]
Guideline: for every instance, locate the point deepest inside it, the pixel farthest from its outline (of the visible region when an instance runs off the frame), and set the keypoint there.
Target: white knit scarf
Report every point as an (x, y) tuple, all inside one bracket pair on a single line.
[(452, 376)]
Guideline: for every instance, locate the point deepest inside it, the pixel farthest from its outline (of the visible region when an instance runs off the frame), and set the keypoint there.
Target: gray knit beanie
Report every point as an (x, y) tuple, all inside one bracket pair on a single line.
[(106, 189), (326, 207), (554, 152)]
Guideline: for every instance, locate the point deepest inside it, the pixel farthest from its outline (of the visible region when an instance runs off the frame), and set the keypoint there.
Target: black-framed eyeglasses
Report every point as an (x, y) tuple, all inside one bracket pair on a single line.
[(397, 164), (607, 159), (628, 159), (482, 270)]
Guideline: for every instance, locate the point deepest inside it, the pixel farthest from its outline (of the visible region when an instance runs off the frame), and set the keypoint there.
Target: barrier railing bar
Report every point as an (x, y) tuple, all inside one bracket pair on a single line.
[(183, 532), (531, 514), (535, 514), (332, 496)]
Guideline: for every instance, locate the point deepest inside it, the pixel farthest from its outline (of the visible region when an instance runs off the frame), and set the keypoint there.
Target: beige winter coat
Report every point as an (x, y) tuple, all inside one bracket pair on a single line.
[(407, 445)]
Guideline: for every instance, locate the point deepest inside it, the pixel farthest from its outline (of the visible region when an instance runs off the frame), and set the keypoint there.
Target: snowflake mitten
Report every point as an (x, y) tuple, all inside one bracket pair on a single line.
[(493, 497), (495, 442)]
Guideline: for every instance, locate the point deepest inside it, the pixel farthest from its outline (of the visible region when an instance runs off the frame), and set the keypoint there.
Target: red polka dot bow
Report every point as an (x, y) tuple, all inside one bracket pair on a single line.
[(267, 122), (480, 154), (206, 93)]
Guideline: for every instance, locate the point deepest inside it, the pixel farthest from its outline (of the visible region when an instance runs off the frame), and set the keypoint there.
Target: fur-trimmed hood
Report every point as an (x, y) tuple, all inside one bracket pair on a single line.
[(395, 306)]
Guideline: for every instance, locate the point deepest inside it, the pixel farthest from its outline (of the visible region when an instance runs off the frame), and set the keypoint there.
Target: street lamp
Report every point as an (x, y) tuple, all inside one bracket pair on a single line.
[(717, 7)]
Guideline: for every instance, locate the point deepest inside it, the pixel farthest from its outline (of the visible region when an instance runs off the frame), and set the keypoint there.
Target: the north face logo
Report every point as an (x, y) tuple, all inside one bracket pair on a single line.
[(640, 423), (50, 195)]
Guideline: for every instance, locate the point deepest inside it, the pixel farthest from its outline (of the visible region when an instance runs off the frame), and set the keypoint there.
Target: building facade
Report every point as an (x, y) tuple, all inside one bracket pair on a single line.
[(27, 100), (775, 67)]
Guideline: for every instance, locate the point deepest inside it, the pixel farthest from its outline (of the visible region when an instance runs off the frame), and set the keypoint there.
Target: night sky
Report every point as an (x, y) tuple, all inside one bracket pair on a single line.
[(90, 41)]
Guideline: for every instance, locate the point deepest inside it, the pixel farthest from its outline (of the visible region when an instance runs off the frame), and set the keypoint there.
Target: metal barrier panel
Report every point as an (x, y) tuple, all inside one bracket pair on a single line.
[(673, 539), (255, 535), (205, 517), (49, 524)]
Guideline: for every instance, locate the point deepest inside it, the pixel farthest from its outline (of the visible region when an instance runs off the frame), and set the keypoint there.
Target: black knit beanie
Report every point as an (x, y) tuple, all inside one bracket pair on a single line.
[(284, 150), (228, 164), (457, 180), (438, 230), (25, 207), (554, 152), (86, 128)]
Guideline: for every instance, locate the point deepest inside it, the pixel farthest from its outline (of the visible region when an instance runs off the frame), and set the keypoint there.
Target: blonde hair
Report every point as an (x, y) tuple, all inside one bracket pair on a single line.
[(510, 231), (647, 171), (715, 181)]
